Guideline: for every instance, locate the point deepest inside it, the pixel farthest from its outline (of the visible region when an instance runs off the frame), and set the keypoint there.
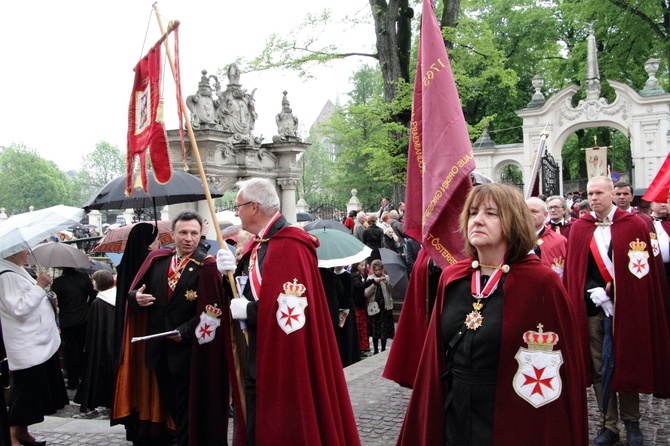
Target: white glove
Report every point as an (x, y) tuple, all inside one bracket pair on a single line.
[(601, 299), (598, 296), (608, 308), (225, 261), (238, 308), (558, 270)]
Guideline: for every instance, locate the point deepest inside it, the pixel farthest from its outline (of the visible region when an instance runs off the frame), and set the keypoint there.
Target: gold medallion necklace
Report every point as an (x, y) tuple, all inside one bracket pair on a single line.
[(474, 319)]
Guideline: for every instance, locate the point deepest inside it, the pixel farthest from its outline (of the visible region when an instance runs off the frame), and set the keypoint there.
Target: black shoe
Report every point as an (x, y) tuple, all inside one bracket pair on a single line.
[(633, 433), (33, 443), (606, 437)]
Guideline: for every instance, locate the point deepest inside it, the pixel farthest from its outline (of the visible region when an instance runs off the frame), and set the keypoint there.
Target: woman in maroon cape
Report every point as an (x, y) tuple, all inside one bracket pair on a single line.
[(500, 353)]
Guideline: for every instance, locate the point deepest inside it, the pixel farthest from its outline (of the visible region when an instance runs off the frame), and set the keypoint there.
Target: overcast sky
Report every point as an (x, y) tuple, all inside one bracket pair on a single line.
[(67, 66)]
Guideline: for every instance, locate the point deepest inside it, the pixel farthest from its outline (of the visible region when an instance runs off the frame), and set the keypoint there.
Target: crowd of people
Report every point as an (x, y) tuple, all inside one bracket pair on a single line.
[(184, 346)]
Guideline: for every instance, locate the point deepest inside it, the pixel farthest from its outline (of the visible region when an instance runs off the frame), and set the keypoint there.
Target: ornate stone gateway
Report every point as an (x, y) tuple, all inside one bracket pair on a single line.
[(223, 121), (641, 114)]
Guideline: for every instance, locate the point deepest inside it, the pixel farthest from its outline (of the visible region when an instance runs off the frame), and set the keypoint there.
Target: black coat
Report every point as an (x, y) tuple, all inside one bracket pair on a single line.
[(75, 293), (177, 312), (372, 236)]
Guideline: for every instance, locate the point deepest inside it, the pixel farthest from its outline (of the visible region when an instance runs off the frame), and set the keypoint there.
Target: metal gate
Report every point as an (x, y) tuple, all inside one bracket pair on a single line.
[(328, 210), (550, 185)]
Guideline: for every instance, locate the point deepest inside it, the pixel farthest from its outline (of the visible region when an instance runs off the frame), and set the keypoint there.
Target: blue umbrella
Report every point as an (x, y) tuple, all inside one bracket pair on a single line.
[(607, 360)]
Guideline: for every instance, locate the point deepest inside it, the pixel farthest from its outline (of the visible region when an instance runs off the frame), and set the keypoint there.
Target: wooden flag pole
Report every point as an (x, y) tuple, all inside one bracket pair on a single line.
[(536, 164), (212, 210), (194, 148)]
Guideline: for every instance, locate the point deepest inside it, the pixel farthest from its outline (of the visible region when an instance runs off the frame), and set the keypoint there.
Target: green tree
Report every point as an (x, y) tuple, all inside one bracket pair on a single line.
[(27, 179), (498, 46), (627, 32), (371, 146), (317, 167), (301, 48), (98, 168)]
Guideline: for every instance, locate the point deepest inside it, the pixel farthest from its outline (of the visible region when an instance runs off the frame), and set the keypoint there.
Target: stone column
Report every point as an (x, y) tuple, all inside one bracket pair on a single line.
[(287, 197), (203, 210), (302, 205), (165, 213), (354, 203)]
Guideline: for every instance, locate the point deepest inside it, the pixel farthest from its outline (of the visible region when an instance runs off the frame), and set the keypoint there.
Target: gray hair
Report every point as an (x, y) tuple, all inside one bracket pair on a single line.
[(262, 191), (539, 201), (564, 203), (394, 214)]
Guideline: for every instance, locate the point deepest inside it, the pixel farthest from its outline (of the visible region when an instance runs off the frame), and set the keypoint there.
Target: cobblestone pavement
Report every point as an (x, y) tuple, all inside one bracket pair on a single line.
[(379, 406)]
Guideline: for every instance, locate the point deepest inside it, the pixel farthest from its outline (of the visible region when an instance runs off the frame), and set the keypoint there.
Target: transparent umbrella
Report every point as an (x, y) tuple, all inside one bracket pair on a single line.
[(21, 231)]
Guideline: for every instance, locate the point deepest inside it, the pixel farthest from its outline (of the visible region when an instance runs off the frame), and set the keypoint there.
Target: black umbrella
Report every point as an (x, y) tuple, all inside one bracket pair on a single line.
[(304, 216), (607, 361), (182, 188), (326, 224), (396, 269), (95, 265)]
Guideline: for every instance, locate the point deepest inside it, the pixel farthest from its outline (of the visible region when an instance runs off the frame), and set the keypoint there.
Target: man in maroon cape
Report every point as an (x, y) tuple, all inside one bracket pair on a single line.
[(660, 212), (610, 270), (295, 388), (179, 289), (541, 300), (551, 245), (558, 208)]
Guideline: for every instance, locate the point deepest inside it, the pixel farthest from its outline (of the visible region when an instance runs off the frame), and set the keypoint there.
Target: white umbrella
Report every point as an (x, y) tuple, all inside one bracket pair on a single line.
[(22, 231), (58, 255)]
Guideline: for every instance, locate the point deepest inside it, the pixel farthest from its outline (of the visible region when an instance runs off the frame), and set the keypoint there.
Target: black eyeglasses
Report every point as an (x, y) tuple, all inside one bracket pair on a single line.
[(237, 207)]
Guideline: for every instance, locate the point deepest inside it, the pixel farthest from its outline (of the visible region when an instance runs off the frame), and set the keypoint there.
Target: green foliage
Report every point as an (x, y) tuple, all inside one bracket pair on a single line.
[(317, 168), (301, 49), (372, 146), (27, 179), (98, 168), (627, 34), (499, 45)]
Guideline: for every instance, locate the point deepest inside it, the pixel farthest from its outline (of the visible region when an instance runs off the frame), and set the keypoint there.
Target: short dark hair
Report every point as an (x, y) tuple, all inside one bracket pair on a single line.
[(104, 280), (621, 185), (186, 215), (584, 205)]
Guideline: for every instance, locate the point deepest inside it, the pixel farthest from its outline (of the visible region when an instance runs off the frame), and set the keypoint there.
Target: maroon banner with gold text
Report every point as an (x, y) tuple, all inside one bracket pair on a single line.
[(440, 156)]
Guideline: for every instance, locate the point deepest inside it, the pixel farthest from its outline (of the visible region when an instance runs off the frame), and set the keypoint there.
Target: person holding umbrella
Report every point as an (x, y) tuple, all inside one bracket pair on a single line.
[(31, 340), (501, 345), (75, 294), (609, 271)]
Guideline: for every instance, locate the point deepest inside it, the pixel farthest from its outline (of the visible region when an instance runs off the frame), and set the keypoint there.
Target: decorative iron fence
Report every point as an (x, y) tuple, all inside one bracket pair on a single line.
[(328, 210)]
